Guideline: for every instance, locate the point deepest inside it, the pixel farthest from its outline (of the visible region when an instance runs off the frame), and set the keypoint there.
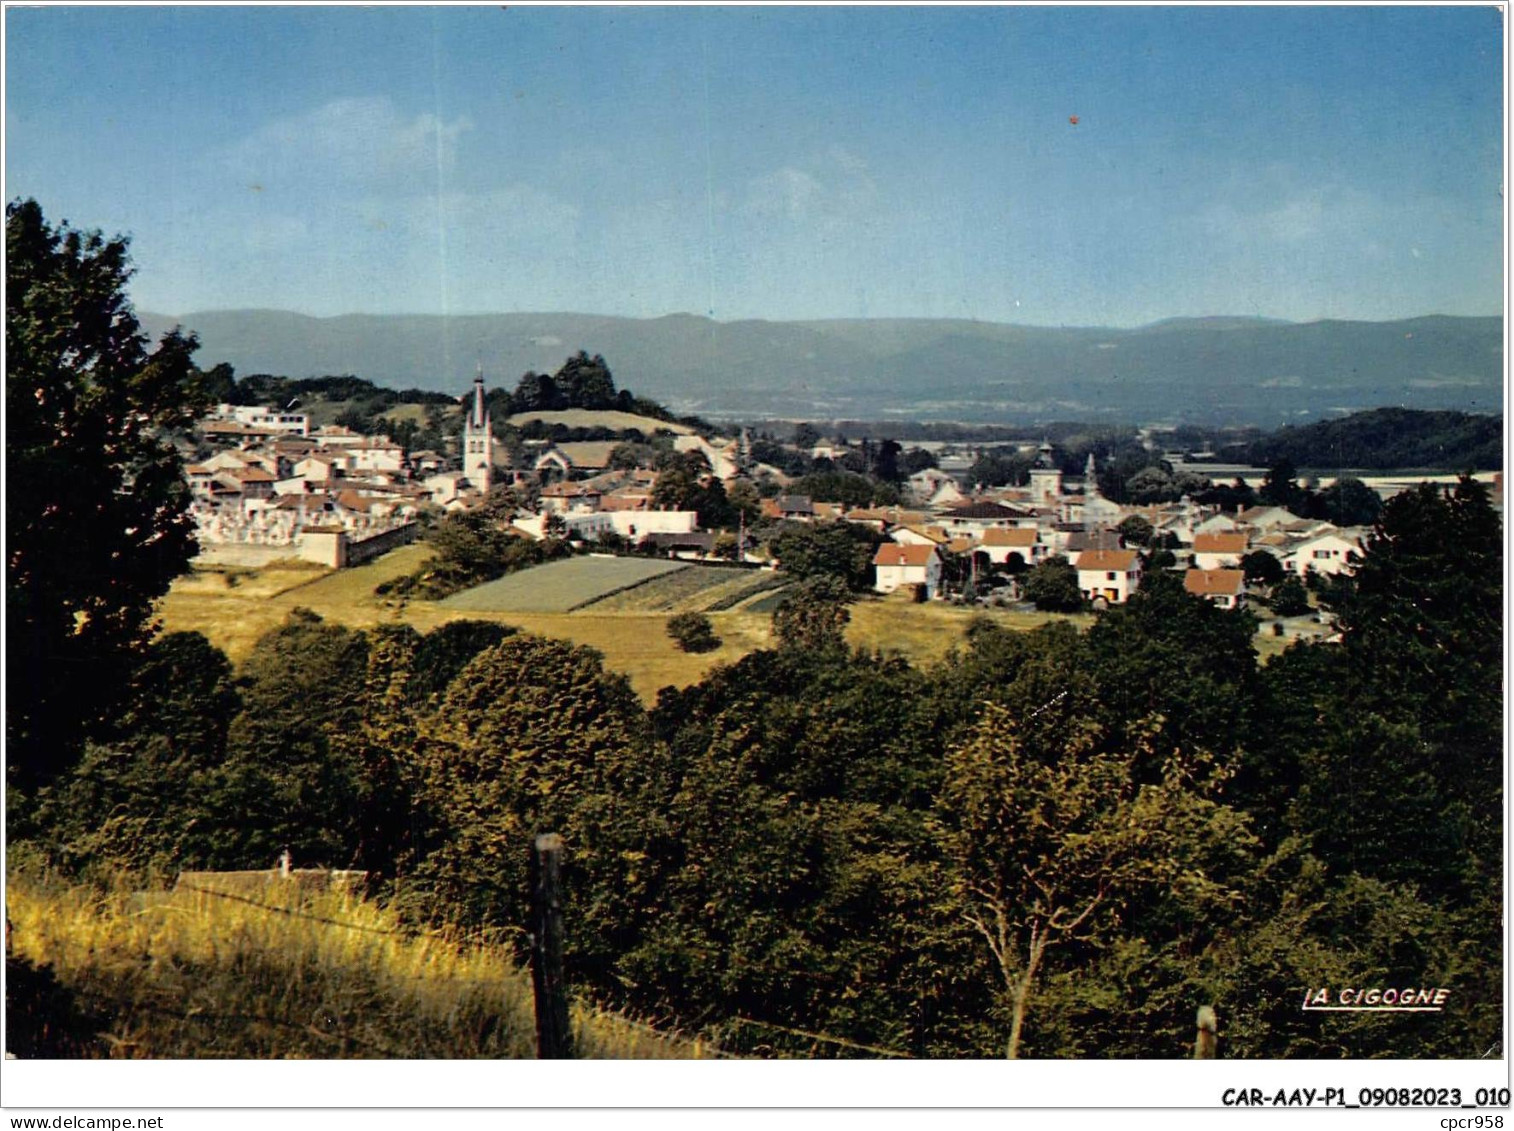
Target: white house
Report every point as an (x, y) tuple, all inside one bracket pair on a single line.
[(1330, 552), (1218, 551), (1265, 518), (899, 565), (1112, 575), (1000, 545), (377, 456)]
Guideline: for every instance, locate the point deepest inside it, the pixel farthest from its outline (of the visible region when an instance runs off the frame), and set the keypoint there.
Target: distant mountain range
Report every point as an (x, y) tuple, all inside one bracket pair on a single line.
[(1201, 370)]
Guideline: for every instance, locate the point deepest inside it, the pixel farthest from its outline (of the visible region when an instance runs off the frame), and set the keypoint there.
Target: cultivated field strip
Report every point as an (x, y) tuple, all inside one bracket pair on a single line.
[(697, 589), (559, 587)]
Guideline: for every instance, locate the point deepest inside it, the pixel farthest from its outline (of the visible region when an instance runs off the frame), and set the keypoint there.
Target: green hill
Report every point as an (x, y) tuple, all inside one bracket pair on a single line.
[(1388, 439)]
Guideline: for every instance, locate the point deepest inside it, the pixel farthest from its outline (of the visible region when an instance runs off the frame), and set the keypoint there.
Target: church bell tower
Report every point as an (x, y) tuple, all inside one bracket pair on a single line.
[(478, 440)]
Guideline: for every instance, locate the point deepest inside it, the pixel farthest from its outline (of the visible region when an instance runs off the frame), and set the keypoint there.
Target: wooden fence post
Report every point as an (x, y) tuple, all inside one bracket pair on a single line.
[(1208, 1036), (554, 1037)]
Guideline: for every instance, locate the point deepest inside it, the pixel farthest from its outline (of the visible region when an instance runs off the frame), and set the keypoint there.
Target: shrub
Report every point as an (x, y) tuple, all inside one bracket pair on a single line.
[(693, 632)]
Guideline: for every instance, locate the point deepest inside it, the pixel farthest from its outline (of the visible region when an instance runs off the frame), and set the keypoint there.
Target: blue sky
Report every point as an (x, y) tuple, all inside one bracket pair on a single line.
[(768, 162)]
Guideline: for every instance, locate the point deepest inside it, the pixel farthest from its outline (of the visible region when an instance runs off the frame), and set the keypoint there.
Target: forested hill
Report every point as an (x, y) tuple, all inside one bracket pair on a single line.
[(1202, 370), (1388, 438)]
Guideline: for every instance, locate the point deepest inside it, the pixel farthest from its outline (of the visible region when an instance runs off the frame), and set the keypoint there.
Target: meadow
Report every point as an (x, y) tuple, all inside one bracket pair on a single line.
[(124, 974), (234, 615), (697, 589), (626, 622), (561, 586)]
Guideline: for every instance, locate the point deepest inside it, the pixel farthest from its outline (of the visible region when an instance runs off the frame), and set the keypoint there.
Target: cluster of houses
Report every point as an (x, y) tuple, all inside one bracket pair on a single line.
[(276, 484), (1022, 527), (279, 484), (281, 487)]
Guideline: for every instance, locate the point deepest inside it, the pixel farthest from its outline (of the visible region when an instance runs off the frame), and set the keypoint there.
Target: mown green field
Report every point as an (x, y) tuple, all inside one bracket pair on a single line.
[(561, 586), (700, 588)]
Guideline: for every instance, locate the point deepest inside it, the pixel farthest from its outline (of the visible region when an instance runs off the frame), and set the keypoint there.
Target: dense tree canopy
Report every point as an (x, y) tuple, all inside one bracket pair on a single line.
[(96, 522), (1052, 585)]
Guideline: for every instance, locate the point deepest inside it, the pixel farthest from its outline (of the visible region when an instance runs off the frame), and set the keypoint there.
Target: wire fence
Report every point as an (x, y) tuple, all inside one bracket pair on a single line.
[(707, 1046)]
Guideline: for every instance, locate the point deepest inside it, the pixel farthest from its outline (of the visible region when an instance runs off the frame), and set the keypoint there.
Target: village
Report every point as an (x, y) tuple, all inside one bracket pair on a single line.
[(277, 487)]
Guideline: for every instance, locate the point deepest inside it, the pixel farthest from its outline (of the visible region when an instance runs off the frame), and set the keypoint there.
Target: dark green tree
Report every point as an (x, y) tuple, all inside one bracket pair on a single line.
[(1052, 585), (1349, 502), (839, 550), (1280, 487), (1262, 568), (445, 651), (693, 632), (536, 392), (586, 382), (141, 800), (96, 502), (1169, 655), (1135, 530), (813, 616), (1422, 627), (535, 736), (1290, 598), (286, 781)]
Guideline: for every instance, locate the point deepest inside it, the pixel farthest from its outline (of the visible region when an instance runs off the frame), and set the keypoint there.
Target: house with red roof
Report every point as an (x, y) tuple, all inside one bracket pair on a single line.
[(898, 565), (1218, 550), (1223, 587), (1108, 575)]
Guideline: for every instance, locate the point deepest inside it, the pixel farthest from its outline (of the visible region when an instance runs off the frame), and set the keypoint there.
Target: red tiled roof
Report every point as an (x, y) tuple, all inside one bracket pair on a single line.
[(1019, 536), (1219, 543), (899, 554), (1211, 582), (1117, 560)]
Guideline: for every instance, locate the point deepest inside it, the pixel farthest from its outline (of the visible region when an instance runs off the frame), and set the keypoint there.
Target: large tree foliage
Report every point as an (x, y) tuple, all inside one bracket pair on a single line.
[(1050, 856), (535, 736), (1052, 586), (839, 550), (1422, 623), (287, 782), (143, 799), (96, 520)]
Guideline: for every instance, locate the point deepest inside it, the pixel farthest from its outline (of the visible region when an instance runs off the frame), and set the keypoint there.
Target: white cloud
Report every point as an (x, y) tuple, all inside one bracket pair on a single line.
[(348, 141), (834, 188), (787, 192)]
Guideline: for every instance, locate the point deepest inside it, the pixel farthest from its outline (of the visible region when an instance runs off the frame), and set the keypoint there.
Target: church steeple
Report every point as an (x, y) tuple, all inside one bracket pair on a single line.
[(478, 438)]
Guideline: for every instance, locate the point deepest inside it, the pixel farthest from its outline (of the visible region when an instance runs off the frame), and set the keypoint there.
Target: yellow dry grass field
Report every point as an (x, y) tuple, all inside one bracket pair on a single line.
[(274, 973), (924, 634), (636, 644)]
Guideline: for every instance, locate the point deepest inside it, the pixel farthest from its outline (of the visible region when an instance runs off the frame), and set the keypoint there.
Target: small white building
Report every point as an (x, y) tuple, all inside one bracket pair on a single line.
[(1331, 552), (1110, 575), (1218, 550), (266, 419), (1000, 545), (898, 565)]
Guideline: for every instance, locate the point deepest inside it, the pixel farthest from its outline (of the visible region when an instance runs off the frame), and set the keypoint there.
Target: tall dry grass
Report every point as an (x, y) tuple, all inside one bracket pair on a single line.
[(273, 973)]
